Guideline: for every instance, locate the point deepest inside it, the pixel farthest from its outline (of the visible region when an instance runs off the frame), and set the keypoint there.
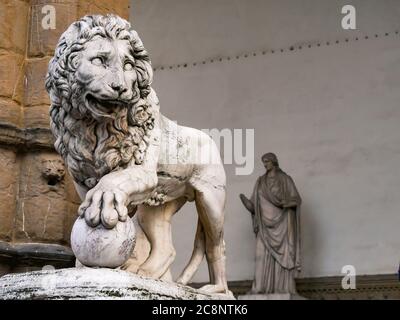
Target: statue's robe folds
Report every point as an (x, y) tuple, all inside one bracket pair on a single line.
[(277, 230)]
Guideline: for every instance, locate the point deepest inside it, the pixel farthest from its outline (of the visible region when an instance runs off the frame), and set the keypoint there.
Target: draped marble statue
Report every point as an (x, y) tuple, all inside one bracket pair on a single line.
[(275, 210)]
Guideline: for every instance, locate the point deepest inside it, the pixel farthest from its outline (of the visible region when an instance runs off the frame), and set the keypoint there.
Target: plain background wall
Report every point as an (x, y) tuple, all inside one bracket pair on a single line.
[(330, 112)]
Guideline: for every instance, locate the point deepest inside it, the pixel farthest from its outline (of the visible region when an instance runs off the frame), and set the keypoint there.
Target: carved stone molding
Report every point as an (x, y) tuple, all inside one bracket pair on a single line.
[(30, 138), (30, 256)]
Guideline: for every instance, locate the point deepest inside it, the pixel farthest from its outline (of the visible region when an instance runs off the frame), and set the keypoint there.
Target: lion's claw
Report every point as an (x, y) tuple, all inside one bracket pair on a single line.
[(106, 207)]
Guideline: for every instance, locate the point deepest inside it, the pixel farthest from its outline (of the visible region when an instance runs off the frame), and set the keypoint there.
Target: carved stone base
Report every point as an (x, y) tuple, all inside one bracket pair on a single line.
[(271, 296), (94, 284)]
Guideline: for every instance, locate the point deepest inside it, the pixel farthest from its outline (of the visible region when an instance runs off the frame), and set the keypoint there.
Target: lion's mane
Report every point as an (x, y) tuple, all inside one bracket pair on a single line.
[(92, 148)]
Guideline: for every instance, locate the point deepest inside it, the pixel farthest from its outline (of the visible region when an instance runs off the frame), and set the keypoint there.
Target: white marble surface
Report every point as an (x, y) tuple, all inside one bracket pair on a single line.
[(101, 247), (94, 284)]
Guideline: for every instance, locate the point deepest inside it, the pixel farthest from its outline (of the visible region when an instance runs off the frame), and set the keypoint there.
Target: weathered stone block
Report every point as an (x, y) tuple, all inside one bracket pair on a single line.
[(10, 112), (42, 219), (42, 201), (72, 195), (37, 117), (8, 186), (35, 92), (43, 38), (13, 20), (120, 8), (69, 219), (11, 66)]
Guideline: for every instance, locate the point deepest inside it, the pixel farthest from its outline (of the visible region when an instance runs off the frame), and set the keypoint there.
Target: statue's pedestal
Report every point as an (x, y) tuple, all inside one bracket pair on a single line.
[(94, 284), (271, 296)]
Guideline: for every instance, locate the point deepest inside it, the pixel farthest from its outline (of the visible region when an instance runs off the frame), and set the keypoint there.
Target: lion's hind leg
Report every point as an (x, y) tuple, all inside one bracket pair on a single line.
[(196, 258), (210, 204)]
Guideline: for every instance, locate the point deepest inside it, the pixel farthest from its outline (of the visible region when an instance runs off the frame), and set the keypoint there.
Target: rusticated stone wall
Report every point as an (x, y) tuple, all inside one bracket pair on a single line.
[(37, 199)]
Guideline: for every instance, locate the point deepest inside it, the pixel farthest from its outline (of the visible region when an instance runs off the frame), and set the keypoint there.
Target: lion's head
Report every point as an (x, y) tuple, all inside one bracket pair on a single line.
[(99, 85)]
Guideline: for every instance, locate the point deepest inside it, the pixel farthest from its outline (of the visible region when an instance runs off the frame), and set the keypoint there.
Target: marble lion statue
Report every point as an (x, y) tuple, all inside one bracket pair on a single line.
[(125, 157)]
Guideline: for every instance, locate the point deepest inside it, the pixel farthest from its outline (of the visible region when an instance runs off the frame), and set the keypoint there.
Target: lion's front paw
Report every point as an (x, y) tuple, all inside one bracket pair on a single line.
[(105, 206)]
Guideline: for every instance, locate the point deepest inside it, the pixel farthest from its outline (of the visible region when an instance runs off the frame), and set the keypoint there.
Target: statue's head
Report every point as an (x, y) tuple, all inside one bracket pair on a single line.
[(99, 67), (270, 161)]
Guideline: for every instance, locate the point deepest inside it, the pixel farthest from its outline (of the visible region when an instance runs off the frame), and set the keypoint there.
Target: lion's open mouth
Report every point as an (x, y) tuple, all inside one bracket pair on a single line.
[(104, 106)]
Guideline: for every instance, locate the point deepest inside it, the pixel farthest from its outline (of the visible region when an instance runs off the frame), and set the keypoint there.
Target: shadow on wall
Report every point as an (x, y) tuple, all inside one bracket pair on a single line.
[(311, 241)]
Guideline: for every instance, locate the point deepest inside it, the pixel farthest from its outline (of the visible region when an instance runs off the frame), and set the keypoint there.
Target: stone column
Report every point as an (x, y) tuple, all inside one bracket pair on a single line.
[(38, 202)]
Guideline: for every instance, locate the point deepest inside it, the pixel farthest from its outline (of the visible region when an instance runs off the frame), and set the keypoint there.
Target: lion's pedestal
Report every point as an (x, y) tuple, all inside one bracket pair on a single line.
[(94, 284), (271, 296)]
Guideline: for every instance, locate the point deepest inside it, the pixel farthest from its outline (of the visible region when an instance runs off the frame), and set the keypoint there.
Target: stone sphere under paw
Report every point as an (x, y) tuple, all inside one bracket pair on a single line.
[(101, 247)]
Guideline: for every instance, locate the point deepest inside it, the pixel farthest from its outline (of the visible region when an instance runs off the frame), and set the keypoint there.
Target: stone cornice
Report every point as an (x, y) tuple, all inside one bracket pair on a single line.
[(30, 138), (36, 254)]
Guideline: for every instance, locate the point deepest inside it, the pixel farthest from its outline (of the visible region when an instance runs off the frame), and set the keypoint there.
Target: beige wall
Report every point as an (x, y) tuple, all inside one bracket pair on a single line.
[(330, 112)]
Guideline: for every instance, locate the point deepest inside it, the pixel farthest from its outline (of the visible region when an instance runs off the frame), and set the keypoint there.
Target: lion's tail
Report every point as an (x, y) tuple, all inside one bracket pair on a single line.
[(197, 256)]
